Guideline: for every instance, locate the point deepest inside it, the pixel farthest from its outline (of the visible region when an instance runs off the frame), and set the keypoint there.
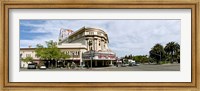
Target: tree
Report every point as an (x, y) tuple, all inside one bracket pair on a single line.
[(130, 56), (27, 59), (169, 49), (141, 58), (172, 50), (144, 59), (50, 54), (63, 56), (157, 53), (40, 51), (177, 52), (125, 59)]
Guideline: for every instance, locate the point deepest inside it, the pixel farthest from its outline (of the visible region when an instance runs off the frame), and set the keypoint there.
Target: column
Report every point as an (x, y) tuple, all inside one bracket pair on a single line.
[(86, 43), (111, 62), (101, 44), (95, 44), (98, 44), (81, 60), (106, 45)]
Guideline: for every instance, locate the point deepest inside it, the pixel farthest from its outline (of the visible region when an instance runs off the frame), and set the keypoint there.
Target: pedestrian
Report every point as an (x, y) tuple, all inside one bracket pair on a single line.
[(73, 65), (68, 65)]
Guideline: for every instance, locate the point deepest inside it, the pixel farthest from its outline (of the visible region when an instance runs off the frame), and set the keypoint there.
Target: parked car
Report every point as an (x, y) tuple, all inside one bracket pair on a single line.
[(137, 64), (134, 64), (43, 67), (32, 66), (60, 66), (124, 65)]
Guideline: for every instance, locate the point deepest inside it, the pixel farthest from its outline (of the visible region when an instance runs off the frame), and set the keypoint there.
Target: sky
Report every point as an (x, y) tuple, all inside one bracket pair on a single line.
[(126, 37)]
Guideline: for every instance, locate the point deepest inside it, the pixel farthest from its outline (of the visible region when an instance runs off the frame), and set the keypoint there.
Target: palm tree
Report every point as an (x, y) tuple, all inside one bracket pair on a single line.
[(173, 50), (177, 52), (169, 50)]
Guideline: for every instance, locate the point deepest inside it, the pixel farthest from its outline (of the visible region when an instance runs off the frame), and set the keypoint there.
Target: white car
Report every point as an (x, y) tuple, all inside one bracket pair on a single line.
[(136, 64), (43, 67)]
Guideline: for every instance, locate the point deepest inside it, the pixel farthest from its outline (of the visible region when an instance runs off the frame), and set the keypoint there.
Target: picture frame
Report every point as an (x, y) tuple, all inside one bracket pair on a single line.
[(6, 85)]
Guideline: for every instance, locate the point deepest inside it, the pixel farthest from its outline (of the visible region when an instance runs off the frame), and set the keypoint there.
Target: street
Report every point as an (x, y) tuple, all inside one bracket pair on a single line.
[(142, 67)]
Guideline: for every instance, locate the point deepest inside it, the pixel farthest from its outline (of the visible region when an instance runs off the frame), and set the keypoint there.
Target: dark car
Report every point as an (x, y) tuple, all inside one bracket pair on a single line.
[(32, 66), (60, 65)]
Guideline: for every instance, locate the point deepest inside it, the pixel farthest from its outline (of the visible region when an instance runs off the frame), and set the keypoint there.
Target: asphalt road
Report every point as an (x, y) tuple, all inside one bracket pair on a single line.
[(142, 67)]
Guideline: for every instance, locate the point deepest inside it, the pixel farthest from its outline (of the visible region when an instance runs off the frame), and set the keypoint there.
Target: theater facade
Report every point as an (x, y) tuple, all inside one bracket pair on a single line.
[(86, 47)]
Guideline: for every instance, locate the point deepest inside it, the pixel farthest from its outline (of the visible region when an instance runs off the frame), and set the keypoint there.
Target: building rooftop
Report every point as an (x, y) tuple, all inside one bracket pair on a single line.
[(71, 45)]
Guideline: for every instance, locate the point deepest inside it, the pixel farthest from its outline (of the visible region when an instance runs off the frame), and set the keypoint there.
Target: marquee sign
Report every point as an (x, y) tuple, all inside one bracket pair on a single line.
[(99, 56)]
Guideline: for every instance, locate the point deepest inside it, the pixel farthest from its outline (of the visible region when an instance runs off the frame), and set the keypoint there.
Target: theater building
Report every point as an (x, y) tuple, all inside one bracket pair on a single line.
[(86, 46), (96, 42)]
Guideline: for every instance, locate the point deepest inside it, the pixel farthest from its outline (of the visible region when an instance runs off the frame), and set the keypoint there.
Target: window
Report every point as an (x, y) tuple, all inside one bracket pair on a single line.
[(76, 53), (28, 55), (91, 33), (95, 33), (36, 56), (99, 33), (99, 43), (86, 33)]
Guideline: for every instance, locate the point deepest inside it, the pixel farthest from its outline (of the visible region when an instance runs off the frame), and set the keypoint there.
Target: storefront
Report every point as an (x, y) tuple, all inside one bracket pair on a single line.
[(98, 59)]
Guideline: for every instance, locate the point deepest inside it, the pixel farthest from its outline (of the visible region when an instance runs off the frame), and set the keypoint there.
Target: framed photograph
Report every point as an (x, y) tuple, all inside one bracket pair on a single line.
[(100, 45)]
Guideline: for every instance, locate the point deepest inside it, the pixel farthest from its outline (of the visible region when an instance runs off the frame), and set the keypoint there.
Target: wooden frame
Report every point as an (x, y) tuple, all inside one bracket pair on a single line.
[(194, 85)]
